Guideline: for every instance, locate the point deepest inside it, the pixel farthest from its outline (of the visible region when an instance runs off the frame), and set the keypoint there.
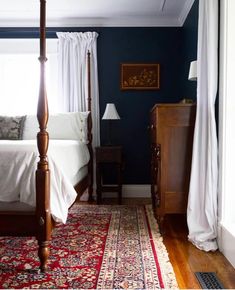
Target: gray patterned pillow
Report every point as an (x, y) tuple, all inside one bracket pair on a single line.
[(11, 128)]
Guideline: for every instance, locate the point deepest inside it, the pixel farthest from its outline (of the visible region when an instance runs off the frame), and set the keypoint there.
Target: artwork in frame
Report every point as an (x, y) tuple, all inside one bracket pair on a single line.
[(140, 76)]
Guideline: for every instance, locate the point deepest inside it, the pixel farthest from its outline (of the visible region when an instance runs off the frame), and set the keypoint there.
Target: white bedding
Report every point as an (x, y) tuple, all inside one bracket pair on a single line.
[(18, 162)]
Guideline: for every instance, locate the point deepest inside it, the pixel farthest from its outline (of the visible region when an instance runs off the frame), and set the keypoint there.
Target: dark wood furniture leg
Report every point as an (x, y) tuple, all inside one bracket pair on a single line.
[(43, 213), (90, 165), (98, 183), (109, 155), (119, 173)]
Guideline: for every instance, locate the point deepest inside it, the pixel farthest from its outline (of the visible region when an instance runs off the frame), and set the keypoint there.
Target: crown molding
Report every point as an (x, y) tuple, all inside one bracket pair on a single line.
[(185, 11), (98, 22)]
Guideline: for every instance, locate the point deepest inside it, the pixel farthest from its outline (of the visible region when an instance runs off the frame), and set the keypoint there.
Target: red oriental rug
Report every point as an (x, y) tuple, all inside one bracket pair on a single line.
[(100, 247)]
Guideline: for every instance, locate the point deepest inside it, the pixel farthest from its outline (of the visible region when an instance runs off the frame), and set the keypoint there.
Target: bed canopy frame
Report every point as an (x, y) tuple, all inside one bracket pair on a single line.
[(39, 223)]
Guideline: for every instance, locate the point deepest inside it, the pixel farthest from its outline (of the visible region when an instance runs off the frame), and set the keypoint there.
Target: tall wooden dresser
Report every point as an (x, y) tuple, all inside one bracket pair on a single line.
[(171, 127)]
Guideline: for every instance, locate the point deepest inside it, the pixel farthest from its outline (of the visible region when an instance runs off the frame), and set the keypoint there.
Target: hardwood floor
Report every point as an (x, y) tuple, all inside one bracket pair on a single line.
[(186, 259)]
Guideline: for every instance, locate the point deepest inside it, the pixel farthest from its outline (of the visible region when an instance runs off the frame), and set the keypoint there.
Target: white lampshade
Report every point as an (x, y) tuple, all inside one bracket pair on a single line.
[(192, 76), (110, 113)]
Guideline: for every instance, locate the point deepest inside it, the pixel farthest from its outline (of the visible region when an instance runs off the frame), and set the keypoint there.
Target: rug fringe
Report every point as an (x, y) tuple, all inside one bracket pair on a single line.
[(168, 274)]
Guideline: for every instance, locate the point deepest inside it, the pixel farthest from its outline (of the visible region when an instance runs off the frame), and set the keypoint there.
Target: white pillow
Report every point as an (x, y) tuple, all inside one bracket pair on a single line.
[(69, 126)]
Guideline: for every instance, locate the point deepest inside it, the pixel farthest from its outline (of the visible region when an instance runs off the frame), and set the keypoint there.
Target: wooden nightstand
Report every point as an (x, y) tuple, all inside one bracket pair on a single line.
[(113, 155)]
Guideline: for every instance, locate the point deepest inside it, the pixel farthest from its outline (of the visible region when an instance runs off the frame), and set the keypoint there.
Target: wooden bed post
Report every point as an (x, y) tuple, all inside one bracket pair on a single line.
[(90, 165), (44, 222)]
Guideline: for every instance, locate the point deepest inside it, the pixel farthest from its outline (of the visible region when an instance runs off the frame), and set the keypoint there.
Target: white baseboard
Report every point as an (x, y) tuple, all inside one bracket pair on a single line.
[(128, 191), (227, 242), (132, 191)]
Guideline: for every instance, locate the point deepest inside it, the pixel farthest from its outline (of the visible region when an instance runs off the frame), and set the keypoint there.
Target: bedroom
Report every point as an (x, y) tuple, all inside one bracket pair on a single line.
[(137, 45)]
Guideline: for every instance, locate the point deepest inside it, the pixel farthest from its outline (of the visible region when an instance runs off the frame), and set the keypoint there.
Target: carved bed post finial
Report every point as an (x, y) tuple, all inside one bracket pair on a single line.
[(90, 165), (42, 172)]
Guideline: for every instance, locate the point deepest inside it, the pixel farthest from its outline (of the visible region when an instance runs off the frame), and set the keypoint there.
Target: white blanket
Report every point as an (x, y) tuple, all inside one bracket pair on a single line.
[(18, 163)]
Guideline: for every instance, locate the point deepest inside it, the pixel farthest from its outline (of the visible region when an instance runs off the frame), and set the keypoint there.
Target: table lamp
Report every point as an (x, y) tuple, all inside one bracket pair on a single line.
[(192, 76), (110, 114)]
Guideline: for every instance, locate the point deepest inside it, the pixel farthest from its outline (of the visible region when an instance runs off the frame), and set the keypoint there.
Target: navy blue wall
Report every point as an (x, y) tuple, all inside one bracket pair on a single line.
[(172, 48), (136, 45), (189, 52)]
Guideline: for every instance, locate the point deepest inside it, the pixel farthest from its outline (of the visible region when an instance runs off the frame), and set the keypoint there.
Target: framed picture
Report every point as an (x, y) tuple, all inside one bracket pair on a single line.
[(140, 76)]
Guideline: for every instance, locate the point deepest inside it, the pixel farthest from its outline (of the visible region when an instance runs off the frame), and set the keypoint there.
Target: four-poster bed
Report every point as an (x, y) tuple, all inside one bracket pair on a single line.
[(39, 222)]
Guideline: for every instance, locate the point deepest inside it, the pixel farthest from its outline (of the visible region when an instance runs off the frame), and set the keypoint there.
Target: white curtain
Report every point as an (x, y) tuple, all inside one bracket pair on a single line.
[(202, 203), (72, 62)]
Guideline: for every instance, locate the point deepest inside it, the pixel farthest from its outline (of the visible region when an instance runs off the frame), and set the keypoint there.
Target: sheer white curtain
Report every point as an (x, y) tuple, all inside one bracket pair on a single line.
[(202, 203), (72, 62)]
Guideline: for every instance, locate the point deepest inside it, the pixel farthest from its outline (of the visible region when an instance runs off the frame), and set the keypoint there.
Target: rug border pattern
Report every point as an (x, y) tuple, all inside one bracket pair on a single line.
[(167, 271)]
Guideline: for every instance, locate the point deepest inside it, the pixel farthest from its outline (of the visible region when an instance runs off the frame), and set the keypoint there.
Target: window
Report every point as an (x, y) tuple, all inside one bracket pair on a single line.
[(19, 80)]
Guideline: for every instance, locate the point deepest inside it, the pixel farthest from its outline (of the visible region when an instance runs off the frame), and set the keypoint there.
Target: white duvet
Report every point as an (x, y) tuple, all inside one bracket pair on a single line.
[(18, 163)]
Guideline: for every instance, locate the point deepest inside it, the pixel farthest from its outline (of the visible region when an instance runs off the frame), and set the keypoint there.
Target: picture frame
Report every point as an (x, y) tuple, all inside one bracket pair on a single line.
[(141, 76)]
